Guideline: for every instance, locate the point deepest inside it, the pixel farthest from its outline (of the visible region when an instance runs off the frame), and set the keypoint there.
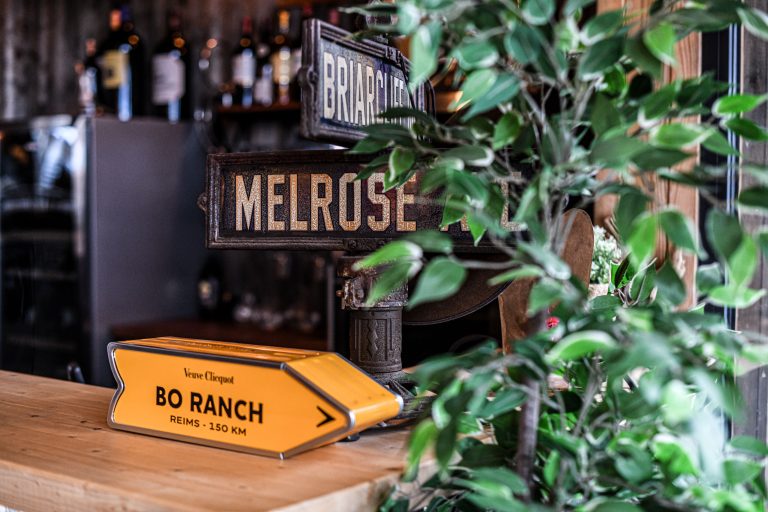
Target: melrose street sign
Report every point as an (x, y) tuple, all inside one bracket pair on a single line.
[(310, 200)]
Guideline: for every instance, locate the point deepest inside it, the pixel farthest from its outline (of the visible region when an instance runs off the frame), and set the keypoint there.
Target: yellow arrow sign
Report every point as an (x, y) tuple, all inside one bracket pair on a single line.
[(251, 398)]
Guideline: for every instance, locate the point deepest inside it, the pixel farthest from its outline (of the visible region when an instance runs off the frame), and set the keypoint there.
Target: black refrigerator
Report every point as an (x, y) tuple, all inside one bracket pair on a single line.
[(99, 225)]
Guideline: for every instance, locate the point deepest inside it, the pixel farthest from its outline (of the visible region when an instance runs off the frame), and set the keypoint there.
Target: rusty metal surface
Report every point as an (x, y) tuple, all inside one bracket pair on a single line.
[(310, 200), (346, 82)]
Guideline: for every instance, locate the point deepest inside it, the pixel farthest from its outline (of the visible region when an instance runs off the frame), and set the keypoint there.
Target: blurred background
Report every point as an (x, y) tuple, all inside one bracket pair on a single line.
[(107, 112)]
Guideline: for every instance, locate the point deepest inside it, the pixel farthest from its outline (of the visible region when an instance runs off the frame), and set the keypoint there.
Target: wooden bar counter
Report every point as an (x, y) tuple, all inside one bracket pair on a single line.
[(57, 453)]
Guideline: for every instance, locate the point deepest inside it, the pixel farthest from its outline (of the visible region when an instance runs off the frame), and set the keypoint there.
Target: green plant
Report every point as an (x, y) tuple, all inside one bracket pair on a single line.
[(606, 254), (563, 97)]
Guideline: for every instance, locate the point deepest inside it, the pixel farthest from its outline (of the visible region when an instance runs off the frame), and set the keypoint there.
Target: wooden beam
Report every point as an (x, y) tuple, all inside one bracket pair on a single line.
[(664, 193)]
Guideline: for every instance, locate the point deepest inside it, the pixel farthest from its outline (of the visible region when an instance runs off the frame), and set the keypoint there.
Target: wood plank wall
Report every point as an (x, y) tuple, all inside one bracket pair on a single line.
[(686, 199), (754, 384), (40, 40)]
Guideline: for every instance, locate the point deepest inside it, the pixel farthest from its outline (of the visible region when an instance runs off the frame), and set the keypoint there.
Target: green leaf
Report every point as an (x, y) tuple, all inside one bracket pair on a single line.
[(737, 103), (474, 155), (642, 240), (580, 344), (655, 158), (506, 130), (642, 57), (679, 229), (755, 21), (604, 115), (677, 402), (369, 145), (538, 12), (552, 468), (667, 449), (505, 400), (724, 233), (477, 54), (408, 17), (503, 89), (717, 143), (631, 206), (424, 45), (551, 263), (395, 276), (742, 263), (477, 227), (571, 6), (517, 273), (749, 444), (670, 287), (544, 293), (616, 150), (502, 476), (657, 106), (441, 278), (600, 56), (678, 135), (747, 129), (755, 197), (734, 297), (432, 241), (400, 161), (478, 83), (740, 471), (393, 251), (602, 25), (422, 436), (708, 277), (445, 445), (660, 41), (523, 43), (615, 506)]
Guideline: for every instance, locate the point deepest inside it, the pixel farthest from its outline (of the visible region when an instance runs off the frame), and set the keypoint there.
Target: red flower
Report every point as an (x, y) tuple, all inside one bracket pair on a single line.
[(552, 322)]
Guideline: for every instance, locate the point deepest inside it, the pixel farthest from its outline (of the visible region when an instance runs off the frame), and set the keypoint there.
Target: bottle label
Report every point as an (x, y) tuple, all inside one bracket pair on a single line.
[(244, 69), (167, 79), (281, 65), (114, 67), (263, 91)]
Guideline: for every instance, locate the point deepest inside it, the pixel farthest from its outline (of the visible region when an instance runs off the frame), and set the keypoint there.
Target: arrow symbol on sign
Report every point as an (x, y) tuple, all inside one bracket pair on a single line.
[(327, 417)]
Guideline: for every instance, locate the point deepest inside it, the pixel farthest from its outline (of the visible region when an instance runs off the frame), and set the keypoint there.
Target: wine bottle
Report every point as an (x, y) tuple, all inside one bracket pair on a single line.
[(171, 73), (88, 78), (244, 65), (120, 61), (281, 57), (263, 93), (296, 29)]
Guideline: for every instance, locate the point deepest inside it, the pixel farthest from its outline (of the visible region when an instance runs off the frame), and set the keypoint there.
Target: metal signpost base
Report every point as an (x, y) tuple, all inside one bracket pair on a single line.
[(375, 335)]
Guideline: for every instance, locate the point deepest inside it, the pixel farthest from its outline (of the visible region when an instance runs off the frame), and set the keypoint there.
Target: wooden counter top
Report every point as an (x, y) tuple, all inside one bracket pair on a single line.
[(57, 453)]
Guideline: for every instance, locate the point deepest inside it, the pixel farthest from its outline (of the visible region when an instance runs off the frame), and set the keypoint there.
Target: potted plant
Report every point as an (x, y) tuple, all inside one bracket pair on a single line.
[(605, 257), (564, 98)]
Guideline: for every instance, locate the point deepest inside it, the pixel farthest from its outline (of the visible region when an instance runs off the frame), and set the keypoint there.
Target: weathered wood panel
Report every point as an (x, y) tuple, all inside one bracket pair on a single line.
[(41, 40), (754, 385)]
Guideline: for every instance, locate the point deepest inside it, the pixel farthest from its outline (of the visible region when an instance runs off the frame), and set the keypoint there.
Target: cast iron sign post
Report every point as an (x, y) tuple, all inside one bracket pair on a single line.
[(312, 200)]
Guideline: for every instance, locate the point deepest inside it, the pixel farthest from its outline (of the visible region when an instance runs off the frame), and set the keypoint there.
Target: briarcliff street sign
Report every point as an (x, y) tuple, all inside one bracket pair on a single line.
[(346, 83)]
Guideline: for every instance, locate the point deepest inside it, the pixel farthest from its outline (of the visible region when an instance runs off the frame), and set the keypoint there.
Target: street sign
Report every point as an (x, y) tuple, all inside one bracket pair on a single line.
[(347, 82), (262, 400), (307, 200)]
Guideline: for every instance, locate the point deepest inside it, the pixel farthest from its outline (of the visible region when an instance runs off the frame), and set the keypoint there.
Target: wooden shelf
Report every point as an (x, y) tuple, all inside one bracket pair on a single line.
[(259, 109)]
